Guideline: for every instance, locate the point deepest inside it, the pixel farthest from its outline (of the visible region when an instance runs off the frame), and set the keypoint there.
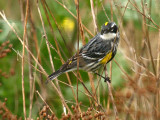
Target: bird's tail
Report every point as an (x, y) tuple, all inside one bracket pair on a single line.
[(53, 75)]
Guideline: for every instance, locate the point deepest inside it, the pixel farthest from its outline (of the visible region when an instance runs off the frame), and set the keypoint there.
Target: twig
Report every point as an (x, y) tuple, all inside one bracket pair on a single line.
[(78, 25), (32, 78), (74, 17), (111, 4), (55, 39), (124, 10), (57, 26), (61, 96), (92, 85), (24, 38), (4, 17), (158, 56), (104, 10), (44, 101), (93, 16), (68, 78), (111, 96), (148, 17), (58, 90), (110, 76), (147, 39), (122, 70), (45, 34), (129, 105)]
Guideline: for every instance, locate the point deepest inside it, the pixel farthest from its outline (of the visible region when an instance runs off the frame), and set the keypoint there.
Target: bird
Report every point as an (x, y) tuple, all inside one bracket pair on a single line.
[(99, 51)]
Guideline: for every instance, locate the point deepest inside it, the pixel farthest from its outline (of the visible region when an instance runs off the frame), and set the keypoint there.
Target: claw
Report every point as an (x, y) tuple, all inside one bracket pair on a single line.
[(107, 79)]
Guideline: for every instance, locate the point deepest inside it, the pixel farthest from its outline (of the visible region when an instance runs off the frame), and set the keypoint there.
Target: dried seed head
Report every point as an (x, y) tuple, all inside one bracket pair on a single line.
[(1, 112), (48, 116), (128, 94), (142, 91), (7, 42), (3, 74), (63, 114), (78, 116), (75, 111), (5, 99), (10, 45), (12, 71), (80, 103), (3, 44), (3, 55), (55, 118), (90, 117), (7, 51), (44, 114), (83, 114), (69, 114), (72, 107)]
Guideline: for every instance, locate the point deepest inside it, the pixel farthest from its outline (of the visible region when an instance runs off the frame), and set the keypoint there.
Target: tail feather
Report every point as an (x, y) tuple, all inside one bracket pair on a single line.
[(53, 76)]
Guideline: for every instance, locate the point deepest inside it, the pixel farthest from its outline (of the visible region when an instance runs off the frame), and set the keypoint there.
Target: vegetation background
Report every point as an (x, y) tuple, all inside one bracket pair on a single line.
[(36, 37)]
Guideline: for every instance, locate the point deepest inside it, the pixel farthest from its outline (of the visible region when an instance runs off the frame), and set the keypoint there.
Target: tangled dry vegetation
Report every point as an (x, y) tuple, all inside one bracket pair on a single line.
[(138, 97)]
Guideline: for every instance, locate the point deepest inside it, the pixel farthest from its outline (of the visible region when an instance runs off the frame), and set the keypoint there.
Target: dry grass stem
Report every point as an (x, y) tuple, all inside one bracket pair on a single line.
[(93, 16), (24, 39), (74, 17), (42, 35), (44, 101), (4, 17), (110, 94)]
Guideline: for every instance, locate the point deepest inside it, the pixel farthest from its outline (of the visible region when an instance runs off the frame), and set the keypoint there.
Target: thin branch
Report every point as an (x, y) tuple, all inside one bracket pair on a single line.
[(78, 26), (111, 96), (45, 34), (58, 90), (74, 16), (148, 17), (5, 19), (57, 26), (24, 38), (44, 101), (104, 10), (158, 56), (111, 9), (93, 15)]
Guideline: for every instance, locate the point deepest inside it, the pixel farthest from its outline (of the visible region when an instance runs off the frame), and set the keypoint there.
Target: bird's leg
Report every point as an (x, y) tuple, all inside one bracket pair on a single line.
[(106, 75), (105, 78)]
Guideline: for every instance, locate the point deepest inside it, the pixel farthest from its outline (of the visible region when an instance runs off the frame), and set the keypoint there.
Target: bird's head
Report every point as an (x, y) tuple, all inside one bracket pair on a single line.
[(109, 30), (109, 27)]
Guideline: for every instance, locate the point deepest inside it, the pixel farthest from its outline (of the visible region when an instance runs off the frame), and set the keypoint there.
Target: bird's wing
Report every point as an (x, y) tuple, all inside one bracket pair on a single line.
[(96, 48)]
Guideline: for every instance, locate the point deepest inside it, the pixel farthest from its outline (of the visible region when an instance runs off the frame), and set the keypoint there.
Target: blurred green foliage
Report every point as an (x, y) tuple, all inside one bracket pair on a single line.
[(11, 87)]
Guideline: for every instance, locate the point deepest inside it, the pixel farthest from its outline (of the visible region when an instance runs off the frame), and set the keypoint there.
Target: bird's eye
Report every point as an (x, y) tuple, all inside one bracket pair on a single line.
[(112, 29)]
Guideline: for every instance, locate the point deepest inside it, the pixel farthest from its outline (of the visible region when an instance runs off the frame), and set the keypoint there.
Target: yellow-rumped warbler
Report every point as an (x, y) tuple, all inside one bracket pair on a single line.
[(100, 50)]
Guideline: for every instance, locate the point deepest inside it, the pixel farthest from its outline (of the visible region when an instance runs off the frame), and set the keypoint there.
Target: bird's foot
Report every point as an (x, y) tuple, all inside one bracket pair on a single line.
[(107, 79)]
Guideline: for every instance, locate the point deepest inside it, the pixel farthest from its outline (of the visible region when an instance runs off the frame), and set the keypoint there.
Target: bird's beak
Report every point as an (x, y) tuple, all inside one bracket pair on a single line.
[(102, 32)]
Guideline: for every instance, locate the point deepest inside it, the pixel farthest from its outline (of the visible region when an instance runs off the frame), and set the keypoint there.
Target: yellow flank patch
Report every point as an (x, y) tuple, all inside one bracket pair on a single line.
[(106, 23), (106, 58), (70, 62)]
